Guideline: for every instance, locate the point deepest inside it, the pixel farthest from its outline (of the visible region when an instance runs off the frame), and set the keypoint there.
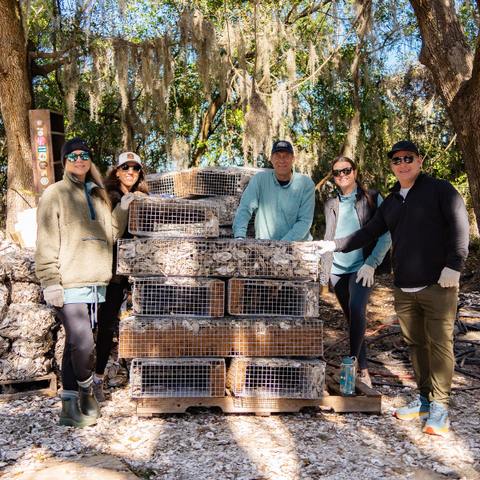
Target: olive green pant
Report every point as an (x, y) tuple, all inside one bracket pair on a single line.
[(427, 319)]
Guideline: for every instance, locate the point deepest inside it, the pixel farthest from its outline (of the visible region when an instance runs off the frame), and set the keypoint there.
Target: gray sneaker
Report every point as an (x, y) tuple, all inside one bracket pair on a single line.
[(420, 407), (98, 391), (438, 422)]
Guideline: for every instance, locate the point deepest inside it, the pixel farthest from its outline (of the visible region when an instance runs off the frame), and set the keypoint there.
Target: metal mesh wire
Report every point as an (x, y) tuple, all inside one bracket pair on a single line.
[(276, 378), (173, 378), (217, 258), (160, 296), (202, 181), (225, 233), (217, 181), (170, 183), (190, 337), (283, 298), (157, 216)]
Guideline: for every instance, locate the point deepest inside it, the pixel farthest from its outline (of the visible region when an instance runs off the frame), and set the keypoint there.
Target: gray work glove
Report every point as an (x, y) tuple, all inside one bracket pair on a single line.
[(126, 200), (366, 274), (54, 295), (449, 278), (326, 246)]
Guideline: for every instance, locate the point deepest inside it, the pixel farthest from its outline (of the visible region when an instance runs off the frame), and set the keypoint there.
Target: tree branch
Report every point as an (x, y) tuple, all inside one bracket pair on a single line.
[(331, 56), (309, 10), (52, 55), (44, 70)]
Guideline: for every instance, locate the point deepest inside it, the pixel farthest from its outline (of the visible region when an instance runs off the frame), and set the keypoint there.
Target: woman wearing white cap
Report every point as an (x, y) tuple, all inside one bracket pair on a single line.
[(127, 176)]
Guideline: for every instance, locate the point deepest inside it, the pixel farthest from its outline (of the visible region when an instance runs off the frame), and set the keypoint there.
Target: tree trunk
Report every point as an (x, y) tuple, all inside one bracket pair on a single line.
[(456, 73), (206, 130), (15, 101), (349, 146)]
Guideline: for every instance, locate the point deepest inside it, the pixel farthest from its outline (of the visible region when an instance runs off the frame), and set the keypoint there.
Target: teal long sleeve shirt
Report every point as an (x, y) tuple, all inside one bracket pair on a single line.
[(281, 212)]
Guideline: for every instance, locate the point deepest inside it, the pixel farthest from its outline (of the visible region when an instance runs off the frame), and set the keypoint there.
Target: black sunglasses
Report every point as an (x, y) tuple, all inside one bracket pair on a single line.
[(72, 157), (126, 168), (406, 159), (345, 171)]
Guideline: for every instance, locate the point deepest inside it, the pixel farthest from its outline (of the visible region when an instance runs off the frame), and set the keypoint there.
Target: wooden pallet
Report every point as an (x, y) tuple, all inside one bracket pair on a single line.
[(365, 399), (29, 386)]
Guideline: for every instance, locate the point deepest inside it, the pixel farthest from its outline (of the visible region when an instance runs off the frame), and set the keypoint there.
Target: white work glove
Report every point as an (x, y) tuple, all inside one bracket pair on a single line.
[(449, 278), (326, 246), (366, 274), (54, 295), (126, 200)]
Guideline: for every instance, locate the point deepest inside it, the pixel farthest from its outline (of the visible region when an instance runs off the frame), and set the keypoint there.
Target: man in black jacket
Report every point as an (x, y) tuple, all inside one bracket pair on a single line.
[(429, 226)]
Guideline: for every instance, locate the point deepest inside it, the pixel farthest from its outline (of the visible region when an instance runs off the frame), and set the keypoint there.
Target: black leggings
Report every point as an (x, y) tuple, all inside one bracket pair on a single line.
[(353, 299), (107, 319), (78, 355)]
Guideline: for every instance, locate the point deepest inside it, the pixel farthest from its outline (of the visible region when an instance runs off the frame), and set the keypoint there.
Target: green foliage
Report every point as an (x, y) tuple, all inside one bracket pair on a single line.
[(159, 114)]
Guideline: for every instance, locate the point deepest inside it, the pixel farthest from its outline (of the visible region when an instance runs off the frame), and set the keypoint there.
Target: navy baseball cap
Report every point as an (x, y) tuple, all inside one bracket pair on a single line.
[(282, 145), (405, 146)]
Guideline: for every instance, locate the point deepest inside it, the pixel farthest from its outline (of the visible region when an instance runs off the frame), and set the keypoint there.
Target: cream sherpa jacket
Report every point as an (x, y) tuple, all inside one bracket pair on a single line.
[(75, 237)]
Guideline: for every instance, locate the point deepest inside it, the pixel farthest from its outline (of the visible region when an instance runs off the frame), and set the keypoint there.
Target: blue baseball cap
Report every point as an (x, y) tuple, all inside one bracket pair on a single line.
[(282, 145)]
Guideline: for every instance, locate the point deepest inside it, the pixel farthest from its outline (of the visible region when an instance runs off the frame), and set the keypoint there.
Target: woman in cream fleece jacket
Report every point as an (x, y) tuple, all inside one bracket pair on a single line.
[(73, 258)]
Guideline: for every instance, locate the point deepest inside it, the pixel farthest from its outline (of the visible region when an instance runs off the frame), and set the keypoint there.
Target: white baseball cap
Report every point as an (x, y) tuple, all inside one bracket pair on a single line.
[(128, 157)]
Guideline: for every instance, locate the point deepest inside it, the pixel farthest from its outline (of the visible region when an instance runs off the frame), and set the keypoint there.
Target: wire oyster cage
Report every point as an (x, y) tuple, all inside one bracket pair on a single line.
[(217, 258), (282, 298), (158, 216), (181, 377), (167, 296), (175, 337), (202, 181), (276, 378)]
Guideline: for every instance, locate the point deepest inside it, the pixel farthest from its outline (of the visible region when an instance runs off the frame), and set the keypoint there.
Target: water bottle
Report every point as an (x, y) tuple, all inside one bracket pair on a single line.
[(347, 376)]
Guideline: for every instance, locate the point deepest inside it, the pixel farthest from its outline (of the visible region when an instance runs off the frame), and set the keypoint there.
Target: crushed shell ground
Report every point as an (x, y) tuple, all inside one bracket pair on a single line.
[(207, 444)]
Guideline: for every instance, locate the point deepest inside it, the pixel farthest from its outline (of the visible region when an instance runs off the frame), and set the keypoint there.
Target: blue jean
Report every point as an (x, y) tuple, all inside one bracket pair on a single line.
[(353, 298)]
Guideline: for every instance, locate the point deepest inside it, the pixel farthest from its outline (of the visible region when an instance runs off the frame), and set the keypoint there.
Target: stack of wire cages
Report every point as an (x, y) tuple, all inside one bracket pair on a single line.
[(207, 306)]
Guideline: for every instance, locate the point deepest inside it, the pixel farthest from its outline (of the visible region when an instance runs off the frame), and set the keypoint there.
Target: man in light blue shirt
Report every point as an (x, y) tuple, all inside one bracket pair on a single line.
[(283, 200)]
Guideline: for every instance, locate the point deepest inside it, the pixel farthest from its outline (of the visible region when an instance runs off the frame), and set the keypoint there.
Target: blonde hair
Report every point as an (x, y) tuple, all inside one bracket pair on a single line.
[(95, 176)]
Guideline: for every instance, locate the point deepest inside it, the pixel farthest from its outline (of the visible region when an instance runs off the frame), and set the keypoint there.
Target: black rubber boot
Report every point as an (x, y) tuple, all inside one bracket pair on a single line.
[(89, 404), (71, 415)]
